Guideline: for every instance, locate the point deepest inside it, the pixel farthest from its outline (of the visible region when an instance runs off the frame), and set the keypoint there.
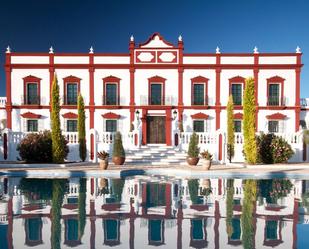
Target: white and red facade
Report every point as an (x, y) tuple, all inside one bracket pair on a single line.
[(154, 62)]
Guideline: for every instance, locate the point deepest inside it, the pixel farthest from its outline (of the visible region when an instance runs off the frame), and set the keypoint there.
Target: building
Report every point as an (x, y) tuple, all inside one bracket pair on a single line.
[(155, 94)]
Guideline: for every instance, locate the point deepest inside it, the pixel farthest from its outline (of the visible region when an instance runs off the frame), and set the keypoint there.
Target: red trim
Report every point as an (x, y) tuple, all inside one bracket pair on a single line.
[(111, 115), (152, 38), (111, 80), (276, 80), (152, 60), (238, 115), (159, 53), (70, 115), (199, 116), (144, 126), (30, 115), (168, 127), (32, 79), (70, 79), (200, 80), (218, 85), (276, 116), (220, 148), (156, 79), (51, 74)]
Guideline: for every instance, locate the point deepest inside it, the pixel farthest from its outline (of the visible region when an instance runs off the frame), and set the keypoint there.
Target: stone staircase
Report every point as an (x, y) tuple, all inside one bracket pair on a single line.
[(155, 155)]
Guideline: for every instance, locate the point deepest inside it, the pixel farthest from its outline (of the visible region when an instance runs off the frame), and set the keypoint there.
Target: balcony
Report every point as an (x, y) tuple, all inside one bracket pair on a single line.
[(113, 102), (276, 101), (168, 100), (30, 100), (64, 100), (304, 102)]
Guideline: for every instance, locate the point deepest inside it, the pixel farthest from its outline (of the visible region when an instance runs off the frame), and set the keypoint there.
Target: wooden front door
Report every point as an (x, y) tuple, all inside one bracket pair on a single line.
[(156, 130)]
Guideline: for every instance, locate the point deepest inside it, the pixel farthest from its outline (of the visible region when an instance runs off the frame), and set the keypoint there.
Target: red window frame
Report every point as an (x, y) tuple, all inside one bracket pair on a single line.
[(199, 80), (156, 80), (70, 80), (276, 80), (30, 80), (111, 80), (237, 80)]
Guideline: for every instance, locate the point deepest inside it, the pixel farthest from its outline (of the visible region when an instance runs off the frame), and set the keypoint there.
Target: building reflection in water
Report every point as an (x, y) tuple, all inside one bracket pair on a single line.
[(152, 211)]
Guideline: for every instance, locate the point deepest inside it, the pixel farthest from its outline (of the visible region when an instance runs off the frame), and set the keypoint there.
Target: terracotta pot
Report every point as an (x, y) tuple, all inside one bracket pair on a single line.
[(206, 164), (103, 183), (192, 160), (118, 160), (104, 164), (205, 183)]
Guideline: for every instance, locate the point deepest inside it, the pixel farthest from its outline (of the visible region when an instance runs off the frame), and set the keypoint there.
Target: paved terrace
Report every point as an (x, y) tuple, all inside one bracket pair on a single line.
[(234, 170)]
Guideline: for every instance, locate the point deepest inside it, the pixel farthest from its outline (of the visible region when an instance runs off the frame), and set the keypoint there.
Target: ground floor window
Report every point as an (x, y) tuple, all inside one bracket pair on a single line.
[(32, 125), (111, 125), (273, 126), (199, 126), (72, 125), (237, 125)]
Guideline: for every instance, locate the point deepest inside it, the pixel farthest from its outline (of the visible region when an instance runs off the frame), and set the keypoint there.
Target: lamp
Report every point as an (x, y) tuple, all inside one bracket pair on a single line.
[(174, 114), (137, 114)]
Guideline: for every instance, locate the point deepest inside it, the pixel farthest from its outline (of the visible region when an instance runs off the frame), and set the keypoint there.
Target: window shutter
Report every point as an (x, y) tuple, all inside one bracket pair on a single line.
[(40, 124), (64, 125), (281, 126), (119, 125), (24, 125)]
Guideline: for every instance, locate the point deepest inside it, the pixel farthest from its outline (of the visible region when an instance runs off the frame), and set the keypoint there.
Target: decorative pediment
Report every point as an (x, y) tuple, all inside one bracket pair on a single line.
[(70, 115), (276, 79), (199, 116), (72, 78), (31, 78), (237, 79), (238, 115), (111, 115), (156, 41), (156, 79), (167, 56), (111, 79), (146, 56), (199, 79), (278, 116), (31, 115)]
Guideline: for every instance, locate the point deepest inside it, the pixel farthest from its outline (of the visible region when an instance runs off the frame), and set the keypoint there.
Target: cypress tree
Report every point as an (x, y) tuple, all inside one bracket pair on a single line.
[(81, 128), (58, 149), (230, 129), (250, 148)]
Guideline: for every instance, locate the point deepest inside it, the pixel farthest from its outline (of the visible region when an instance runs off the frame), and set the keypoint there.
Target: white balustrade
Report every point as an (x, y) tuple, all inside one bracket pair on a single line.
[(203, 137), (71, 137), (2, 101)]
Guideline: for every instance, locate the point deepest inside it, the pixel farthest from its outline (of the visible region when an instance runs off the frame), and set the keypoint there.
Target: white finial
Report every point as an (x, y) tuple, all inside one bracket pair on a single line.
[(132, 38), (298, 51), (91, 50), (218, 50), (180, 38), (255, 50), (8, 50), (51, 50)]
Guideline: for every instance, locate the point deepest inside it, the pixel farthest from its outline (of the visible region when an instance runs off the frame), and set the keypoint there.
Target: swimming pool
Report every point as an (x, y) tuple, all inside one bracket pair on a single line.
[(153, 211)]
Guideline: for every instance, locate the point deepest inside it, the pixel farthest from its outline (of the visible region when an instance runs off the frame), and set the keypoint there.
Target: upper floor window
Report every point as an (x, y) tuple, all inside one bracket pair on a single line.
[(32, 125), (237, 85), (276, 122), (199, 90), (71, 125), (156, 90), (32, 90), (275, 91), (111, 88), (71, 90)]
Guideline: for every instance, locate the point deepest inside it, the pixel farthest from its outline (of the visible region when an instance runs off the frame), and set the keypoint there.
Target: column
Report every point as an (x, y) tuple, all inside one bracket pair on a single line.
[(256, 86), (8, 71), (91, 101)]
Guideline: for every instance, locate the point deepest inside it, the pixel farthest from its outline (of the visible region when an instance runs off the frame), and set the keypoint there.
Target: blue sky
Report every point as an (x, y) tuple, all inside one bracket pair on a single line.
[(234, 26)]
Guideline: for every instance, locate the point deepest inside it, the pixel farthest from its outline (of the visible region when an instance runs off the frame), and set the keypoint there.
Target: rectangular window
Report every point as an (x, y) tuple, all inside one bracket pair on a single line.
[(72, 125), (273, 126), (111, 125), (237, 94), (32, 94), (198, 94), (271, 230), (111, 94), (32, 125), (198, 126), (273, 95), (71, 94), (155, 94), (237, 125)]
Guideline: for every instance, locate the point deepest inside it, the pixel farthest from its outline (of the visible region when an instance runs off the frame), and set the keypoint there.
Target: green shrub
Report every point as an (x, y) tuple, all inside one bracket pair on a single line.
[(230, 129), (193, 150), (37, 147), (118, 150), (81, 128), (264, 152), (281, 150)]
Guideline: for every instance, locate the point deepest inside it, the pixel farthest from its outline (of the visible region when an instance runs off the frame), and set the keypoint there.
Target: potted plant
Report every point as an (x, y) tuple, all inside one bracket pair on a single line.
[(193, 151), (119, 155), (103, 156), (207, 156)]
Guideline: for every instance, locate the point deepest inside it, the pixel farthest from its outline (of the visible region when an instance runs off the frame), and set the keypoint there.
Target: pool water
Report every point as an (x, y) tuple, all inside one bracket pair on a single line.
[(153, 211)]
